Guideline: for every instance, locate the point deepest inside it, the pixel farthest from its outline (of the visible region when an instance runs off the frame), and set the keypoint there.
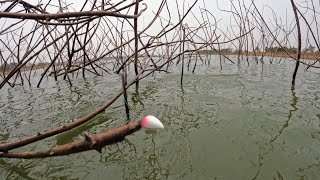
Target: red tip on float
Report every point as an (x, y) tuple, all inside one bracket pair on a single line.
[(144, 122)]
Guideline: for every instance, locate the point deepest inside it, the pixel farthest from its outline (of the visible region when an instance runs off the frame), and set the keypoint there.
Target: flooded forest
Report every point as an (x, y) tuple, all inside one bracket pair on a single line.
[(158, 89)]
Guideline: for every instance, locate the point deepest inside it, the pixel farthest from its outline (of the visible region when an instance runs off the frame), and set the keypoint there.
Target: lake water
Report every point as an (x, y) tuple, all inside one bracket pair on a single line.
[(244, 122)]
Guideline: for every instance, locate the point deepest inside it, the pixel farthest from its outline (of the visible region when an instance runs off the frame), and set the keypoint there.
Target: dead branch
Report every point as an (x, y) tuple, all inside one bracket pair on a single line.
[(96, 142)]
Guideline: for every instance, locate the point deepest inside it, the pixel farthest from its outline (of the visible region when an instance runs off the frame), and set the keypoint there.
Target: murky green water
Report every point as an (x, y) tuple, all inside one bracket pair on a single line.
[(244, 122)]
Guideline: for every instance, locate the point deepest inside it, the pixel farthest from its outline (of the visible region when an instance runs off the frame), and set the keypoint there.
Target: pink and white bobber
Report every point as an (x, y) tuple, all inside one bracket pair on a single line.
[(151, 122)]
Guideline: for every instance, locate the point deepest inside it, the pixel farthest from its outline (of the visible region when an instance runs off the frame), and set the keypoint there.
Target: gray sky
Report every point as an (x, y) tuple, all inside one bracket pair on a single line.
[(281, 8)]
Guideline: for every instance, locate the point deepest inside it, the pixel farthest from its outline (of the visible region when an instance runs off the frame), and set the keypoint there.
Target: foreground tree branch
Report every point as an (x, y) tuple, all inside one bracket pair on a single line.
[(57, 16), (96, 142)]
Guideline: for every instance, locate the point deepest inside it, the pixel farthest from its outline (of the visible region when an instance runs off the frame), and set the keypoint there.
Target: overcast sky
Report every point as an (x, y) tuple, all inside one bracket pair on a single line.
[(279, 6), (282, 9)]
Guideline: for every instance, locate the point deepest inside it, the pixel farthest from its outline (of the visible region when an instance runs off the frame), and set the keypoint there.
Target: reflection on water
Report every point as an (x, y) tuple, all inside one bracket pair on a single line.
[(285, 125), (241, 122)]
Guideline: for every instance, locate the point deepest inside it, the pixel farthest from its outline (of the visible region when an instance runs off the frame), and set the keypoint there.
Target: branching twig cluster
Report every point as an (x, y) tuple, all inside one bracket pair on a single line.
[(101, 38)]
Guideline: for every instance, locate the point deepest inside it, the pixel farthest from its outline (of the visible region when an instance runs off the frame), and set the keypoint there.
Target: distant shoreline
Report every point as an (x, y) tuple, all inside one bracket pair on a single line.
[(304, 56)]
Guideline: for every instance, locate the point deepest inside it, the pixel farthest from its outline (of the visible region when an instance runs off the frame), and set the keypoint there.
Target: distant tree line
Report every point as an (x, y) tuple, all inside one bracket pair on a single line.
[(8, 66), (281, 49), (293, 50), (214, 51)]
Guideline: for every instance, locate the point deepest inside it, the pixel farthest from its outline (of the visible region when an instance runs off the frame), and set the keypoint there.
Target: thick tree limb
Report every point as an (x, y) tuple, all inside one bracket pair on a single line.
[(96, 142), (68, 15)]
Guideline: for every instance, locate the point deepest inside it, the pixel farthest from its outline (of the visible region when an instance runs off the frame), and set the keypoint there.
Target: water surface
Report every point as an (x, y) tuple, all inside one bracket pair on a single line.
[(243, 122)]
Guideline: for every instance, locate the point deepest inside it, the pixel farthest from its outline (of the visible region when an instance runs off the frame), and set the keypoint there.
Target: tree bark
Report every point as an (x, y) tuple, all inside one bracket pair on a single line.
[(96, 142)]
